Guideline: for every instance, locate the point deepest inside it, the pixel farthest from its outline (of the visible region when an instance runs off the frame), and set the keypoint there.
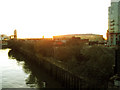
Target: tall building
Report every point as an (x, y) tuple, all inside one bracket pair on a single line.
[(113, 33), (15, 34)]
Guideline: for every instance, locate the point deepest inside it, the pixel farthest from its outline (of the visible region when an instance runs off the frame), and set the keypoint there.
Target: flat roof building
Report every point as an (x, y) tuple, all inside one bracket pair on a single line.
[(91, 37)]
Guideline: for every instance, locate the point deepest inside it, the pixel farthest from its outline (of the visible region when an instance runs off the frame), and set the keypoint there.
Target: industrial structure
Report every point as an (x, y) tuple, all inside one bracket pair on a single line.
[(113, 32), (15, 34), (91, 37)]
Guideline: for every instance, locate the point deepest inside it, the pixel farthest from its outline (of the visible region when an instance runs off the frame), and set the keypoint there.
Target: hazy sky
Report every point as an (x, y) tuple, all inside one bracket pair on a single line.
[(34, 18)]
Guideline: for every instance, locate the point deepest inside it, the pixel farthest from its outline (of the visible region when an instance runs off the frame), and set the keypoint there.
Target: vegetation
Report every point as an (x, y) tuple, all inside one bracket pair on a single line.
[(94, 63)]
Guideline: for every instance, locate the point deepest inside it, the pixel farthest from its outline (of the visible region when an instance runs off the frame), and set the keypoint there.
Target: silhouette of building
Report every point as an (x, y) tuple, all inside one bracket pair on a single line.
[(91, 37), (113, 33), (15, 34), (4, 37)]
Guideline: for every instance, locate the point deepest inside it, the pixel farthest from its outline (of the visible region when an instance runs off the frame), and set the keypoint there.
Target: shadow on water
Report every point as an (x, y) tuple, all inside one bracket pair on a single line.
[(37, 77)]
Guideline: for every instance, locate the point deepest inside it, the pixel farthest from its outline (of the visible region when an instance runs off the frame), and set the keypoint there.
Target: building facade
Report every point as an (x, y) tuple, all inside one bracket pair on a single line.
[(91, 37), (113, 32)]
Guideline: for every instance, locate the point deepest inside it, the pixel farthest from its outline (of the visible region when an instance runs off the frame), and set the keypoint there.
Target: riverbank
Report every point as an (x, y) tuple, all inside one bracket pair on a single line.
[(37, 77), (79, 66), (17, 72)]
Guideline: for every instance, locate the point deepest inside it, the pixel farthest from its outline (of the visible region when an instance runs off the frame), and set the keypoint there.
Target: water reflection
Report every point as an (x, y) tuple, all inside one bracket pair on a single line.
[(12, 74), (37, 77)]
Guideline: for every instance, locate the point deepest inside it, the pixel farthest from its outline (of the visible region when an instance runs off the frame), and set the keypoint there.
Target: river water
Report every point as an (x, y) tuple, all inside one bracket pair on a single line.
[(17, 72)]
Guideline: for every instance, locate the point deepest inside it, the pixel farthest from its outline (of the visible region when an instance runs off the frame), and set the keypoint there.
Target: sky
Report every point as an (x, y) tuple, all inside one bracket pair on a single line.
[(35, 18)]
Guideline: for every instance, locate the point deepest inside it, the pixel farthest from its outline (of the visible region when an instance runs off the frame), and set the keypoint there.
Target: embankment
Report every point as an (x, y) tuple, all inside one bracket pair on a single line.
[(91, 68)]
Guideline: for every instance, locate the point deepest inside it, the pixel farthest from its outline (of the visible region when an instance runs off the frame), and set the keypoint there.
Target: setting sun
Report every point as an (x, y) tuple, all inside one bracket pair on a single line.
[(35, 18), (59, 44)]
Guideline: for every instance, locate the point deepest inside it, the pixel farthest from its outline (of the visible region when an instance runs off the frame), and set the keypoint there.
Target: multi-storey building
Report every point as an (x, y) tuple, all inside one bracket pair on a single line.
[(113, 33)]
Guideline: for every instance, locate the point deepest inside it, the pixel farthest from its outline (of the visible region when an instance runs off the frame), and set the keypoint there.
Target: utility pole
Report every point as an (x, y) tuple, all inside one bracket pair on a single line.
[(117, 66), (116, 77)]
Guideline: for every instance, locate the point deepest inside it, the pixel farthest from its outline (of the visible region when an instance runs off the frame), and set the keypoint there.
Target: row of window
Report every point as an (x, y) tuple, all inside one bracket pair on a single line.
[(117, 38)]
